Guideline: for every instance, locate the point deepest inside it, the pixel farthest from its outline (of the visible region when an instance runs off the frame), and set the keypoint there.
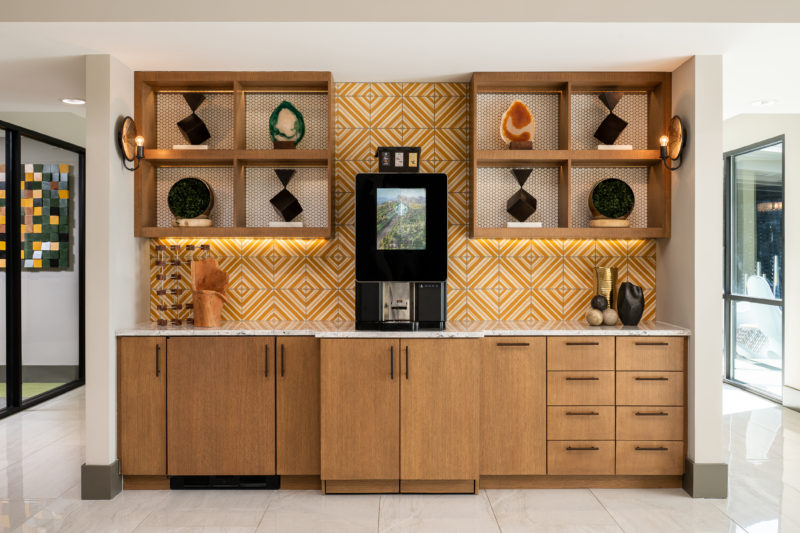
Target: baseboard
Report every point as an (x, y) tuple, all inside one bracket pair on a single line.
[(580, 482), (301, 483), (145, 482), (706, 480), (100, 482), (791, 398)]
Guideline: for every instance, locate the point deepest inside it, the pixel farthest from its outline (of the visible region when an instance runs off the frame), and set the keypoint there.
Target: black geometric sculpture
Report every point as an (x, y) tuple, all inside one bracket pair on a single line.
[(284, 201), (192, 127), (612, 126), (630, 303), (521, 205)]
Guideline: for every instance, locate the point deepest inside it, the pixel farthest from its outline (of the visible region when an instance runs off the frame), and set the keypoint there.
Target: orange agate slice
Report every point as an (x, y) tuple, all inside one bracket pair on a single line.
[(518, 123)]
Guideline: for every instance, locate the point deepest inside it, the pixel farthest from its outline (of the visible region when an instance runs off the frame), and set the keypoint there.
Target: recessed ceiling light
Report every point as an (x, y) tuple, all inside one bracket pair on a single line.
[(763, 103), (73, 101)]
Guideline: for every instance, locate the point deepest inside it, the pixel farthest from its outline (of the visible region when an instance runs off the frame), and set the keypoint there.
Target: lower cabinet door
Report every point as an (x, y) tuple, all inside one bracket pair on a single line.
[(221, 406), (439, 411), (297, 422), (580, 458), (513, 396), (650, 457), (359, 410)]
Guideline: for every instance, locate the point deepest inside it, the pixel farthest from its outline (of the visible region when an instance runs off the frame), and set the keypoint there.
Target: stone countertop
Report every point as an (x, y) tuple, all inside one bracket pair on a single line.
[(455, 329)]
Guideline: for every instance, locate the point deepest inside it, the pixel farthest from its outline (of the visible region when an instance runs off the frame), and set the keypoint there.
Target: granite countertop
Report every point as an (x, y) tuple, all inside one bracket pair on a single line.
[(455, 329)]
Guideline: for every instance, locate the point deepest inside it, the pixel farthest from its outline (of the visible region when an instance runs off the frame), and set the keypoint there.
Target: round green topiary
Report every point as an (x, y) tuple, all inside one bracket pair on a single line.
[(612, 198), (189, 198)]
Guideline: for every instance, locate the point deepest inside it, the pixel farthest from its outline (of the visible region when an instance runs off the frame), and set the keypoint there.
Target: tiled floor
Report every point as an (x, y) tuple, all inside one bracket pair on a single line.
[(41, 452)]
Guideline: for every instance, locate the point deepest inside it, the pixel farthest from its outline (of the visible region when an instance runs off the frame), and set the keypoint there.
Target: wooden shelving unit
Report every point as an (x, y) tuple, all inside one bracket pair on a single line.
[(237, 158), (656, 85)]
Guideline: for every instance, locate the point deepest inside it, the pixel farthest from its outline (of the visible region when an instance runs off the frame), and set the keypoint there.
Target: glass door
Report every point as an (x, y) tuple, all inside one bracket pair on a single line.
[(753, 296)]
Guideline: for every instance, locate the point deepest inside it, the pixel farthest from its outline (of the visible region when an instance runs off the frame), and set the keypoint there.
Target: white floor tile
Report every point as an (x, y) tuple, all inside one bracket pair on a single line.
[(435, 513), (309, 511)]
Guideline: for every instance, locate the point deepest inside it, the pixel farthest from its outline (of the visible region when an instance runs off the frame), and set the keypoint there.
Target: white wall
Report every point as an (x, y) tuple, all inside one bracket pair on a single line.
[(116, 262), (689, 265), (744, 130)]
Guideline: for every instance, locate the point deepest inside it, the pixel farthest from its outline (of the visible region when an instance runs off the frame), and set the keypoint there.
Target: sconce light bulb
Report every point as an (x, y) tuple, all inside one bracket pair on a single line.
[(139, 141), (664, 140)]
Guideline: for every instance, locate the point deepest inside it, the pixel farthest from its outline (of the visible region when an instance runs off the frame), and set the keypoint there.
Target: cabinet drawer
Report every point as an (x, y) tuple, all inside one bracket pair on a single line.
[(649, 423), (649, 388), (580, 388), (655, 458), (650, 353), (580, 422), (580, 353), (588, 458)]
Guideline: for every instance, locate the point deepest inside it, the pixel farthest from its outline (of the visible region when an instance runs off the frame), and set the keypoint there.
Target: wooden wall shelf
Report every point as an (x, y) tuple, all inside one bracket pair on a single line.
[(148, 85), (656, 86)]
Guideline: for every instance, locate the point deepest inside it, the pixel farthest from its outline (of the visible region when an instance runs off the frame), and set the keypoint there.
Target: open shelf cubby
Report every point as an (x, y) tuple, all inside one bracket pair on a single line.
[(240, 156), (565, 157)]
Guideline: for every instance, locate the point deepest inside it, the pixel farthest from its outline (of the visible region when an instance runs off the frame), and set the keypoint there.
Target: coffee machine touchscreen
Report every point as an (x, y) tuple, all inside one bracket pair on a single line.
[(400, 221)]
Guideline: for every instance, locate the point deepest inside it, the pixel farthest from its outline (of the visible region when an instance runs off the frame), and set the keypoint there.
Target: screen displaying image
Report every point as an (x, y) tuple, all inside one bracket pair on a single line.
[(401, 219)]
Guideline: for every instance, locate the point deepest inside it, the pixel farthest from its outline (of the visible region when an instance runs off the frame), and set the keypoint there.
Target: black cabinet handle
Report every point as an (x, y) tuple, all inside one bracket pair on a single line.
[(513, 344), (158, 360), (660, 413), (651, 379), (282, 362), (406, 362), (585, 343), (642, 343), (587, 413), (266, 360), (593, 378), (582, 448), (654, 449), (391, 361)]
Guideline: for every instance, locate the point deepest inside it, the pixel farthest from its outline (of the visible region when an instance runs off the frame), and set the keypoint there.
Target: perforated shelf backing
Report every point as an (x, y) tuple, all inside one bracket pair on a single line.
[(543, 106), (583, 181), (220, 179), (313, 107), (494, 186), (308, 185), (588, 112), (216, 111)]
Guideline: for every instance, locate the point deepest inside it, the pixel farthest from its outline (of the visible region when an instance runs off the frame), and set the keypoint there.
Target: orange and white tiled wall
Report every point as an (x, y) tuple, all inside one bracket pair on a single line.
[(292, 279)]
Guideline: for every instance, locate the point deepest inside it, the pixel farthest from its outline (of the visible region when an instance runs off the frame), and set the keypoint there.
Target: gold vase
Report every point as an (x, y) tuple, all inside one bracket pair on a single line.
[(605, 284)]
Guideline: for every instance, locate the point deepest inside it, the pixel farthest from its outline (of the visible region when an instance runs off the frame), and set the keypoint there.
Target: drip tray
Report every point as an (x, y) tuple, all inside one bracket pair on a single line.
[(225, 482)]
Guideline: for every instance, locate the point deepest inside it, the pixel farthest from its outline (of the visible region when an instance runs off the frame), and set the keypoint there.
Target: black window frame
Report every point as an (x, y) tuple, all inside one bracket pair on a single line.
[(13, 303), (728, 296)]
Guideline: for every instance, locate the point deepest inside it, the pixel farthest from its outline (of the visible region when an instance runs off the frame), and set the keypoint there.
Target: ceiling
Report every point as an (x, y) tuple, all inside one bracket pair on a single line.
[(43, 62)]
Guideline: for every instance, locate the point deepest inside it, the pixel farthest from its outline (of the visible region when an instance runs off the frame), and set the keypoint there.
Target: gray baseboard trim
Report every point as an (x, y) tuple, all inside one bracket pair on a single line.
[(706, 480), (100, 482), (791, 398)]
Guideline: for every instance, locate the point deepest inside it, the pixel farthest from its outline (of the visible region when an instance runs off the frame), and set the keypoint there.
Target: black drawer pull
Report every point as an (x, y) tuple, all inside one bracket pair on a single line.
[(391, 361), (582, 449), (266, 360), (651, 343), (283, 367), (586, 343), (661, 413), (655, 449), (593, 378), (513, 344), (587, 413), (651, 379), (158, 360)]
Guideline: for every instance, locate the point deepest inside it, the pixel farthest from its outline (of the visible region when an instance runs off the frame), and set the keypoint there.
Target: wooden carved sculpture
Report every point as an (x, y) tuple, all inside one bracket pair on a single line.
[(208, 288)]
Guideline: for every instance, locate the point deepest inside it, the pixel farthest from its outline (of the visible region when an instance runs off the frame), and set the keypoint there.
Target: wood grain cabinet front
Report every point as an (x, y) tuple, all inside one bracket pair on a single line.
[(141, 405), (580, 387), (649, 457), (580, 353), (650, 353), (513, 411), (297, 406), (650, 388), (580, 422), (650, 423), (221, 406), (584, 458)]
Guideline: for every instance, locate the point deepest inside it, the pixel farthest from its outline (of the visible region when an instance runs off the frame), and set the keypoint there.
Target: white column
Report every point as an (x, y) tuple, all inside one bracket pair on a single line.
[(116, 262), (689, 266)]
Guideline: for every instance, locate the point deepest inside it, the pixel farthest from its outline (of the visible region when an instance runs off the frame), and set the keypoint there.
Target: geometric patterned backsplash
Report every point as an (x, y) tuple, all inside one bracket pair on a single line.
[(515, 279)]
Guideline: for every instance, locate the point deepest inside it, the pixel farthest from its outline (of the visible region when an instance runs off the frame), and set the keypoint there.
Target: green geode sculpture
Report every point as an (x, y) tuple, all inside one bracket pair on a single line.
[(286, 123)]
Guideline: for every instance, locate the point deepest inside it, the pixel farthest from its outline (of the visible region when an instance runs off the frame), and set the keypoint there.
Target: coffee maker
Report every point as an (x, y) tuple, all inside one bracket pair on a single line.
[(401, 251)]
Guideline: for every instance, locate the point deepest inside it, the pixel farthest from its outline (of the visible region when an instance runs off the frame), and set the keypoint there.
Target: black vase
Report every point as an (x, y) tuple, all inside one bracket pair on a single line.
[(630, 303)]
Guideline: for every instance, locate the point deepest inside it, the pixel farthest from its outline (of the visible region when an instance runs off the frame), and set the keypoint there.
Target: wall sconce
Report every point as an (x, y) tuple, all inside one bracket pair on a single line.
[(672, 145), (131, 144)]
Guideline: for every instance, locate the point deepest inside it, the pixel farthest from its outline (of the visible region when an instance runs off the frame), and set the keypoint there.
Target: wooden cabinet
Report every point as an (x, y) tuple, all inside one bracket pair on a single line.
[(581, 422), (360, 409), (580, 353), (297, 405), (439, 410), (584, 458), (221, 406), (141, 406), (513, 401)]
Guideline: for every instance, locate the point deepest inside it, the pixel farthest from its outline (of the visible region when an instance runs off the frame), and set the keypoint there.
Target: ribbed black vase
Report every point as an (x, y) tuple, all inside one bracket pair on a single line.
[(630, 303)]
